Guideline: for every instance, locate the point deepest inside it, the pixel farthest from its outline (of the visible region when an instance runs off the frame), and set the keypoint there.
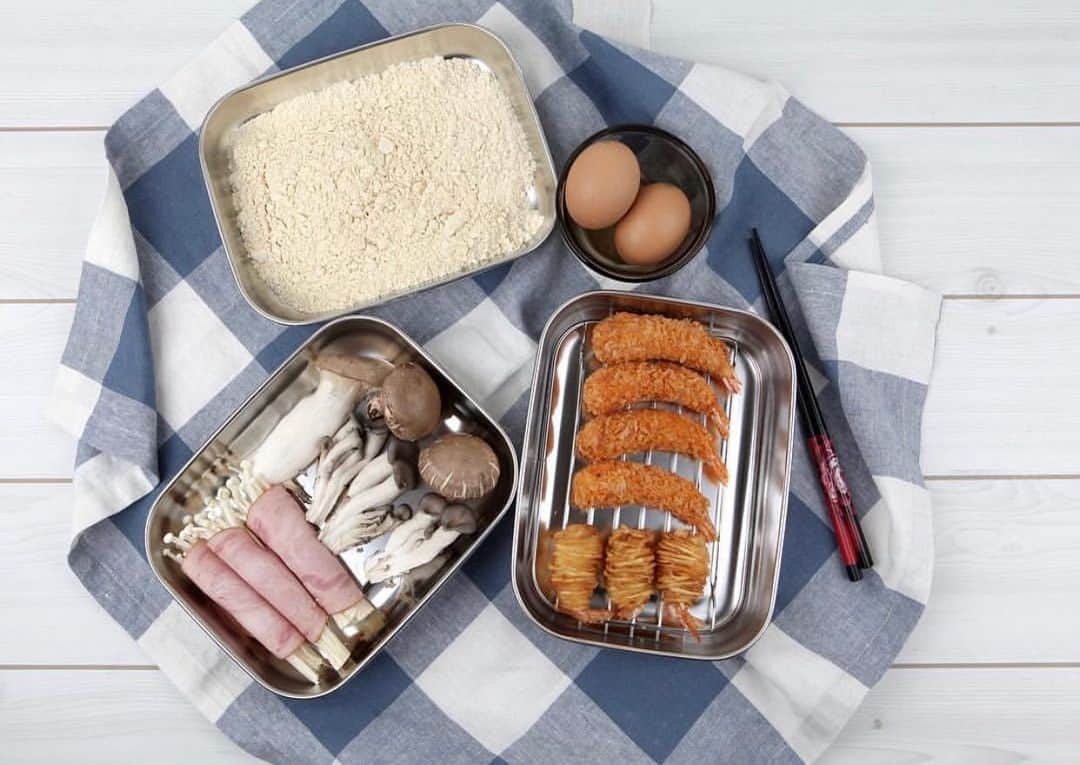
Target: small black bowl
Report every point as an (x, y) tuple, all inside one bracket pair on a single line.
[(662, 157)]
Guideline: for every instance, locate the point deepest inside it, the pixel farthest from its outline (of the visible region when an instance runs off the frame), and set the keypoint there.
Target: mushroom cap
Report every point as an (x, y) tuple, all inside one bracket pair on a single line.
[(459, 518), (410, 402), (459, 466), (432, 504), (364, 370)]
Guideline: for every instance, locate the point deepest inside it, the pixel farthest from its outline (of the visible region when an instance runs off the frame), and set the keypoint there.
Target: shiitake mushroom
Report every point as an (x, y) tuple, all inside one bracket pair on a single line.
[(459, 466), (407, 402)]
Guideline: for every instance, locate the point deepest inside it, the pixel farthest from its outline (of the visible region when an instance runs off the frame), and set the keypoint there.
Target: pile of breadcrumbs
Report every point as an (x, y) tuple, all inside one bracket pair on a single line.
[(388, 183)]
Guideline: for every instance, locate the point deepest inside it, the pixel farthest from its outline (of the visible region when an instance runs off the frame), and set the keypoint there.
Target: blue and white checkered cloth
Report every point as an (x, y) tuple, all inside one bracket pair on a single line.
[(163, 347)]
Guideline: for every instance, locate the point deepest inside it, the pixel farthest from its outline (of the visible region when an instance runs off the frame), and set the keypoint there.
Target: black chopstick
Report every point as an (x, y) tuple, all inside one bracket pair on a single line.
[(851, 541)]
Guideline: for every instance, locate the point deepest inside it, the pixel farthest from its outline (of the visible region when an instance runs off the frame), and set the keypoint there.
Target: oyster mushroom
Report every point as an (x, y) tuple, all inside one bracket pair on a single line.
[(459, 466), (383, 465), (432, 504), (418, 541), (341, 460), (408, 402), (294, 442), (346, 530)]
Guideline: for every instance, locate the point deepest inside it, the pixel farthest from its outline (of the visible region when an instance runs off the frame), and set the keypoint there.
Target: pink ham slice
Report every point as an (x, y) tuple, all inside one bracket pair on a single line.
[(271, 578), (278, 520), (225, 587)]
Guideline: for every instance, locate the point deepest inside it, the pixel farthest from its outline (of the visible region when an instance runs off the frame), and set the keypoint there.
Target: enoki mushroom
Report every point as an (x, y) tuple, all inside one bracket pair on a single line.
[(682, 568), (576, 563), (628, 570)]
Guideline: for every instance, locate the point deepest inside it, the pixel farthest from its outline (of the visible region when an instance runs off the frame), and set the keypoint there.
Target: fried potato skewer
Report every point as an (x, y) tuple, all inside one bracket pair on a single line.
[(613, 388), (629, 568), (682, 568), (577, 559), (641, 337), (639, 430), (611, 484)]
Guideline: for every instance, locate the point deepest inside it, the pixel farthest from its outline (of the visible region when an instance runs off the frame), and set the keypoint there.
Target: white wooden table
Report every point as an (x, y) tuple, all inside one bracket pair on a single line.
[(971, 117)]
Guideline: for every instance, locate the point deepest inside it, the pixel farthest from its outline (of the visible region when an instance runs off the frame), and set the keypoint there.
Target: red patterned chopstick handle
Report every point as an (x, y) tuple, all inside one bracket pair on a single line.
[(832, 483)]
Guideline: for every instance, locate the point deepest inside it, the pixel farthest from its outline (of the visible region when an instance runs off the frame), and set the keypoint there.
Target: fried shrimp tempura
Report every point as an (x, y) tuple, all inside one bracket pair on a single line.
[(628, 570), (576, 561), (641, 337), (682, 568), (613, 388), (640, 430), (611, 484)]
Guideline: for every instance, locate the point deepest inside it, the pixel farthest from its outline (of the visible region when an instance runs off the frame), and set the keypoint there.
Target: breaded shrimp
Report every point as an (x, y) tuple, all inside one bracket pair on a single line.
[(682, 568), (615, 387), (611, 484), (629, 567), (639, 430), (641, 337), (577, 559)]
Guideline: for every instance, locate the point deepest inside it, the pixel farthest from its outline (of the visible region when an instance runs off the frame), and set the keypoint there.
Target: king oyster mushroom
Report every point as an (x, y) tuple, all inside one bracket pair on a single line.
[(407, 401), (459, 466), (418, 541), (294, 442)]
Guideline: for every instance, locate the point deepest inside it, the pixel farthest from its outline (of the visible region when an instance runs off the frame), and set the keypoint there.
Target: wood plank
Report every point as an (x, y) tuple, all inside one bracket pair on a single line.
[(999, 402), (51, 184), (58, 621), (978, 211), (878, 61), (69, 62), (965, 717), (32, 337), (1006, 574), (984, 211), (105, 716), (64, 62), (962, 717), (1005, 560), (1002, 397)]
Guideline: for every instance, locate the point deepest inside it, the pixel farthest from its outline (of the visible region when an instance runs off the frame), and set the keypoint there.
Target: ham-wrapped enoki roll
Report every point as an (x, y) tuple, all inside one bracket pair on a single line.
[(220, 523), (278, 520), (268, 576), (225, 587)]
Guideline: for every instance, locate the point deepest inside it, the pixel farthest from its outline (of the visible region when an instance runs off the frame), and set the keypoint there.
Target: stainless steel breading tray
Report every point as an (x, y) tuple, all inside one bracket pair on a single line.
[(245, 428), (448, 41), (749, 513)]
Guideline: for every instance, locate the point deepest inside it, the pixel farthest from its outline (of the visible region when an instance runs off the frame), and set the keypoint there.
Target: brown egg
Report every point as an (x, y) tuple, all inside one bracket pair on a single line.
[(602, 184), (655, 226)]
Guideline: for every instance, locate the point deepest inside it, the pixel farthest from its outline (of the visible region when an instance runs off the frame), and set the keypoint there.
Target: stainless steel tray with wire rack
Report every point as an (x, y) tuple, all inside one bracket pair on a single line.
[(749, 513)]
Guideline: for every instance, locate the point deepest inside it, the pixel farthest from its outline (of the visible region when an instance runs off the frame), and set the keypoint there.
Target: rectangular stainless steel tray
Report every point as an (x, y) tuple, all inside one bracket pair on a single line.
[(243, 431), (749, 513), (448, 41)]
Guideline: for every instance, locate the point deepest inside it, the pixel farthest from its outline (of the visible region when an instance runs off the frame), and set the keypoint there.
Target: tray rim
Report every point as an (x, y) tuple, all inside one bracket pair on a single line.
[(454, 569), (528, 433), (547, 166)]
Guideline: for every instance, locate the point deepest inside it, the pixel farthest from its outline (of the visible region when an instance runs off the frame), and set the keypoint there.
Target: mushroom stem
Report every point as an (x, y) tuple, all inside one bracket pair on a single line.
[(331, 647), (330, 489), (374, 443), (372, 474), (402, 478), (362, 620), (345, 530), (414, 551), (307, 662)]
